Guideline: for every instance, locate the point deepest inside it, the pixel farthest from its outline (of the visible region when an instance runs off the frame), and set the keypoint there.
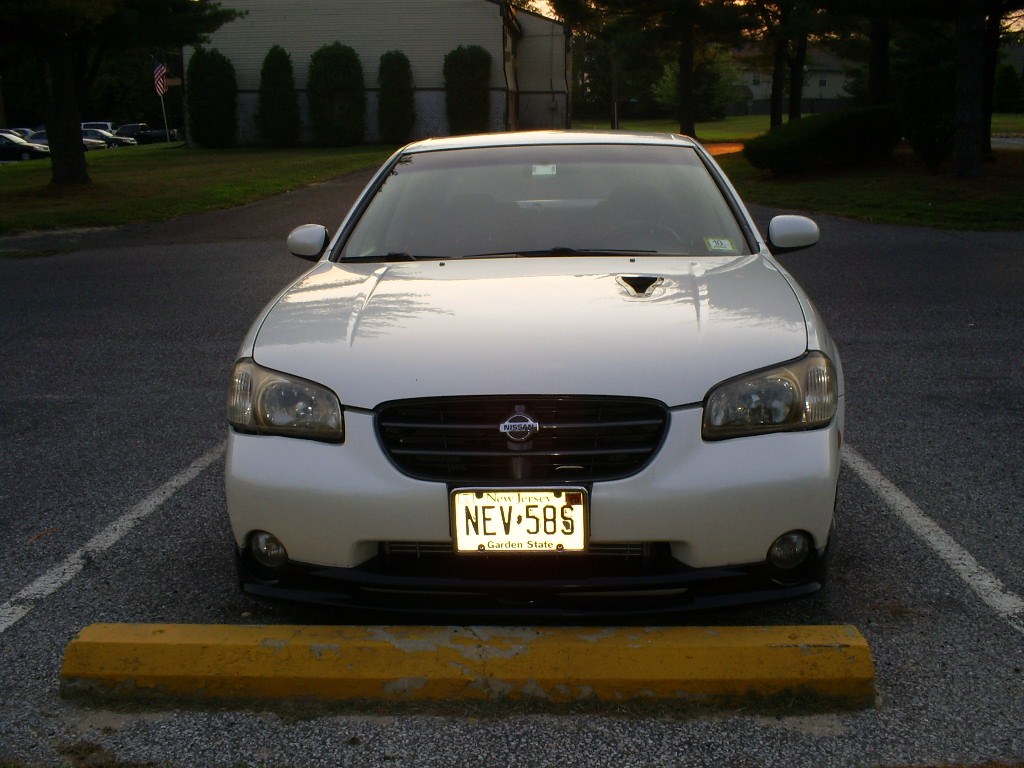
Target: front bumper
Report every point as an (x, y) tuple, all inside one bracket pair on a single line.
[(566, 587), (716, 504)]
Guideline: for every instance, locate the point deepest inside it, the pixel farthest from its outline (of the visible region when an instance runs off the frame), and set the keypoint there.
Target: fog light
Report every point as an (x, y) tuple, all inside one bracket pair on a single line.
[(267, 550), (790, 550)]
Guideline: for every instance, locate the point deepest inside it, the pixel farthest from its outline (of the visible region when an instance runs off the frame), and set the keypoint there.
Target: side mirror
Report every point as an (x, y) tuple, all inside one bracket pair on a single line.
[(791, 233), (308, 241)]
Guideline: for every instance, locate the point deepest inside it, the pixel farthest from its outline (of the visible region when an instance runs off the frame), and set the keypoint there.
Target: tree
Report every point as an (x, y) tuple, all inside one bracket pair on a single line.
[(598, 47), (973, 27), (277, 117), (970, 88), (716, 84), (673, 25), (925, 94), (66, 42)]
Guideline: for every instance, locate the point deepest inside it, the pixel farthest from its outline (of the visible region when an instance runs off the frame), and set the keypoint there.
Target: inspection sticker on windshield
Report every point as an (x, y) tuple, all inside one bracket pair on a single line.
[(519, 520), (720, 245)]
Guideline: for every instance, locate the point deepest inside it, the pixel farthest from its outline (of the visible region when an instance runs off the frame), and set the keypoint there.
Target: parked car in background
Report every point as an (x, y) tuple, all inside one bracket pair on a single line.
[(545, 373), (103, 125), (23, 132), (40, 137), (14, 147), (108, 138), (144, 134)]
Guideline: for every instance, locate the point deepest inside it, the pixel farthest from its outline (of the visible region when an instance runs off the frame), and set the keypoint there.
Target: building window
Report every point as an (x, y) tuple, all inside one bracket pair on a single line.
[(822, 81), (757, 78)]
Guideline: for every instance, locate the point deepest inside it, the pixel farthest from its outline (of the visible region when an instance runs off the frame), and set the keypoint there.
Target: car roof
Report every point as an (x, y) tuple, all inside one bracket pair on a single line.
[(548, 138)]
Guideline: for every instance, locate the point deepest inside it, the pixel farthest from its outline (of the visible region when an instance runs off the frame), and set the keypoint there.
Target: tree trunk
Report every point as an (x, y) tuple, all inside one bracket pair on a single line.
[(63, 123), (993, 30), (878, 63), (796, 78), (613, 89), (778, 81), (970, 88), (687, 53)]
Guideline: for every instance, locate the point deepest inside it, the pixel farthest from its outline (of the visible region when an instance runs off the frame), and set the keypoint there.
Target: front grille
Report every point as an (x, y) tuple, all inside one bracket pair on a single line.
[(577, 439)]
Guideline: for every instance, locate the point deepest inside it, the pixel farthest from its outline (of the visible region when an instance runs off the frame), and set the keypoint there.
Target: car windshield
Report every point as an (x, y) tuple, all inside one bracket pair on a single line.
[(546, 200)]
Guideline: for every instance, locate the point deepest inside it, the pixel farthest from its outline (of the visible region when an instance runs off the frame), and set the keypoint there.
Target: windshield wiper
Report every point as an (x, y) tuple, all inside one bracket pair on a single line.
[(558, 250), (393, 256)]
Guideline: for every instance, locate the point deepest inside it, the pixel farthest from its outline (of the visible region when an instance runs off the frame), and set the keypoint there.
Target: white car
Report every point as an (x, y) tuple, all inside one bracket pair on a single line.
[(538, 374)]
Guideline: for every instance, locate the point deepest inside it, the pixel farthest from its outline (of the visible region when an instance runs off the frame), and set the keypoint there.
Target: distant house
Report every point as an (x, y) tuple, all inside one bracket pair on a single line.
[(825, 81), (529, 54)]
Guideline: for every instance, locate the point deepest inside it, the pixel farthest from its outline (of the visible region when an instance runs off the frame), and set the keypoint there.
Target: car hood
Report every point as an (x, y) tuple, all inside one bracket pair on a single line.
[(667, 328)]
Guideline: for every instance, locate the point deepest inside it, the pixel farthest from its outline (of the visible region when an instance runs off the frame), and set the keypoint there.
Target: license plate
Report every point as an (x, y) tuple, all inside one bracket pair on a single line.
[(519, 520)]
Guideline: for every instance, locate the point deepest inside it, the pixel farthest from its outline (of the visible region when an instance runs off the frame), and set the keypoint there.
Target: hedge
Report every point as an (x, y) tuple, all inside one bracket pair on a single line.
[(831, 140)]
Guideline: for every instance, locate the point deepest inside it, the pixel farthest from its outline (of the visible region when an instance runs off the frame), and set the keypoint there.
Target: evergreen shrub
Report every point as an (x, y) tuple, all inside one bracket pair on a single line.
[(467, 79), (277, 118), (337, 96), (212, 99), (396, 105)]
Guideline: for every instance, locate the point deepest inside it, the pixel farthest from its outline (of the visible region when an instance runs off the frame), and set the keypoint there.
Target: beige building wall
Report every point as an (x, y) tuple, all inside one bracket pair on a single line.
[(424, 31), (542, 72)]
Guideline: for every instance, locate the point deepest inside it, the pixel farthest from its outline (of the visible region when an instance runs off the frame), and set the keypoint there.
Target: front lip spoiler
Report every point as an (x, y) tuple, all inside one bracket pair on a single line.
[(668, 592)]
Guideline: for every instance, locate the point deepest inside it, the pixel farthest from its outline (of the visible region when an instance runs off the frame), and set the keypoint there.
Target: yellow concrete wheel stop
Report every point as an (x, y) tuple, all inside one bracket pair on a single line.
[(415, 664)]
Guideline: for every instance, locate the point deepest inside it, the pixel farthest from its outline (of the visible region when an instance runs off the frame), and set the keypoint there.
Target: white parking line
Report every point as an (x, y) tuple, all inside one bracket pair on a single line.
[(989, 588), (12, 611)]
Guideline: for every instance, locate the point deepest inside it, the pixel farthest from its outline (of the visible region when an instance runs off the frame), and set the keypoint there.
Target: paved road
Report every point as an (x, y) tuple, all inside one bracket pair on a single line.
[(115, 348)]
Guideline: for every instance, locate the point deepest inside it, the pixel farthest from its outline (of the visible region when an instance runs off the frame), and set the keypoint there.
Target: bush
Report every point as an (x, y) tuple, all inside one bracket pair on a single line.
[(212, 99), (396, 107), (831, 140), (278, 115), (337, 96), (467, 81)]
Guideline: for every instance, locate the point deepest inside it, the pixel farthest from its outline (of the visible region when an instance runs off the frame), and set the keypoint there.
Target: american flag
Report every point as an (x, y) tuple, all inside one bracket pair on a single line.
[(160, 78)]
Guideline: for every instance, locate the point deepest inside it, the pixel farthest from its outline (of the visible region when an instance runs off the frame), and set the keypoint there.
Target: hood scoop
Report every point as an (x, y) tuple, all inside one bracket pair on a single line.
[(639, 285)]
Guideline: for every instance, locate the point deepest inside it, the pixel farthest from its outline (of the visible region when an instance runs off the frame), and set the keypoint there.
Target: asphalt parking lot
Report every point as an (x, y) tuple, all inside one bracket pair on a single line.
[(116, 346)]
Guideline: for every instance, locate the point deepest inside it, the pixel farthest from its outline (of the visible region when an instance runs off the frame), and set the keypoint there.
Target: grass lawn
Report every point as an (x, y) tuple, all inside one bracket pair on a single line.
[(162, 181), (733, 129), (1008, 125), (900, 191)]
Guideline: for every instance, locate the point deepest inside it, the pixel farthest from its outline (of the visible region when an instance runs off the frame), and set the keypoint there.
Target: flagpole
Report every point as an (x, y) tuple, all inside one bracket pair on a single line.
[(167, 132)]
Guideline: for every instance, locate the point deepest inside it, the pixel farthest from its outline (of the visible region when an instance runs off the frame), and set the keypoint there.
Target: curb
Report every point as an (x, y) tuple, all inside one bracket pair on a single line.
[(553, 664)]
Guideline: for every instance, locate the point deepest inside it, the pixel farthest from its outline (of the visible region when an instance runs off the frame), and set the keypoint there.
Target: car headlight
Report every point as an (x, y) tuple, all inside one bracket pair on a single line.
[(798, 395), (271, 403)]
